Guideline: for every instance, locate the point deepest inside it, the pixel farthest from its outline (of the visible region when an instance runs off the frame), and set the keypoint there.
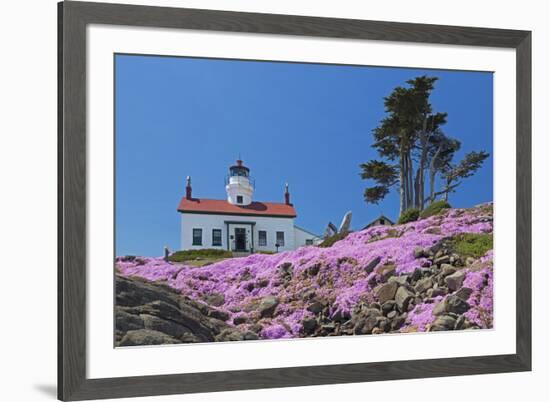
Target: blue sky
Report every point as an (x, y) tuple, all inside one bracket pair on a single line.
[(306, 124)]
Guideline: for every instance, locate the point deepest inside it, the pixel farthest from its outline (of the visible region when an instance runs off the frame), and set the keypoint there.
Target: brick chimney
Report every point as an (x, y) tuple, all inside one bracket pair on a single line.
[(287, 195), (188, 189)]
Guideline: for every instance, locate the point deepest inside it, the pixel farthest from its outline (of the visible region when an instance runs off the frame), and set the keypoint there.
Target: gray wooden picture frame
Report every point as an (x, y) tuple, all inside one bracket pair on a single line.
[(73, 18)]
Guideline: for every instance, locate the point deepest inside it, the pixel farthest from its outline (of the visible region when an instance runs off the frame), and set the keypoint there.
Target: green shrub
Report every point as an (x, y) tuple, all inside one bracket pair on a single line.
[(202, 254), (434, 208), (329, 241), (409, 215), (264, 252), (472, 244)]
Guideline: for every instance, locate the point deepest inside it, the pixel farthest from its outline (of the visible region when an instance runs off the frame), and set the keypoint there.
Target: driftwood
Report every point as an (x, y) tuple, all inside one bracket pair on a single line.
[(345, 226)]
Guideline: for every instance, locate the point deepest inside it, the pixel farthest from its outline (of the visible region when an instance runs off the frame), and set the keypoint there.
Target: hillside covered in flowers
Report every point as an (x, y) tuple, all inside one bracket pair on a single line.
[(428, 275)]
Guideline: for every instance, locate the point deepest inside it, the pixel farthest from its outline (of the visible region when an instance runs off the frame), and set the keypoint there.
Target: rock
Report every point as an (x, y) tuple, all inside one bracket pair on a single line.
[(423, 285), (384, 324), (375, 305), (371, 265), (262, 283), (250, 336), (140, 337), (386, 291), (401, 280), (470, 261), (219, 315), (419, 253), (267, 306), (388, 306), (402, 298), (257, 328), (240, 319), (440, 308), (285, 271), (346, 223), (168, 327), (228, 335), (215, 299), (156, 308), (386, 270), (447, 269), (451, 305), (126, 322), (460, 322), (416, 275), (464, 293), (316, 307), (309, 325), (341, 316), (443, 323), (392, 314), (398, 322), (455, 280), (434, 292), (365, 326), (444, 259), (314, 269), (456, 305)]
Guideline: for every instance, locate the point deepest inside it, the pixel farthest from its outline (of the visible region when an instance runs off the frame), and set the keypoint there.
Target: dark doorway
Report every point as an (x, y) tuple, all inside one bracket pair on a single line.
[(240, 239)]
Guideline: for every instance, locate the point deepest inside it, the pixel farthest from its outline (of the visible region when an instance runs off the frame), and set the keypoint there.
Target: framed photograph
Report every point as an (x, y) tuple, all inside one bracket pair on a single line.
[(254, 201)]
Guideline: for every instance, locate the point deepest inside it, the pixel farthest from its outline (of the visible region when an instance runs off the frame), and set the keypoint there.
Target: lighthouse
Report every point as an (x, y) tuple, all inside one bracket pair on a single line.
[(238, 223), (240, 186)]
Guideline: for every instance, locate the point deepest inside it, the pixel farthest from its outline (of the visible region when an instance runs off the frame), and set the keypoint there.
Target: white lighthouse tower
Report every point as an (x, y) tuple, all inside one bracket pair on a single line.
[(239, 185)]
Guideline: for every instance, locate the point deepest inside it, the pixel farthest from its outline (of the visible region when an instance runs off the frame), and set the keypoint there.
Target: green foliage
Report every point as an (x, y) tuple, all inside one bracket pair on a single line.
[(375, 194), (329, 241), (384, 174), (208, 254), (264, 252), (434, 208), (409, 215), (472, 244)]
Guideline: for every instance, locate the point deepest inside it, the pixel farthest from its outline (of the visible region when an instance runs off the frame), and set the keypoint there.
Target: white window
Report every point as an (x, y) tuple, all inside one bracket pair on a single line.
[(281, 239), (262, 238)]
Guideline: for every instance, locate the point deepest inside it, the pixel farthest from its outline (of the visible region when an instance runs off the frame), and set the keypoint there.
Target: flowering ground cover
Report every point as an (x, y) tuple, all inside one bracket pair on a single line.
[(403, 278)]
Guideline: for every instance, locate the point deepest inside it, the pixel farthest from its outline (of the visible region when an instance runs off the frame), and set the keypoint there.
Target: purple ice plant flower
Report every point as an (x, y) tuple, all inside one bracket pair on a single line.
[(341, 277)]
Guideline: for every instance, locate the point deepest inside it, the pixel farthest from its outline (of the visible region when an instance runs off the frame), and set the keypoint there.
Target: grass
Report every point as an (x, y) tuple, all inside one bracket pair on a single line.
[(472, 244), (329, 241), (200, 258), (434, 208), (409, 215)]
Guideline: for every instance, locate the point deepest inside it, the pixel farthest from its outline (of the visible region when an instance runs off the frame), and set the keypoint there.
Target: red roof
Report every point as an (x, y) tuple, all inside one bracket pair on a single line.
[(201, 205)]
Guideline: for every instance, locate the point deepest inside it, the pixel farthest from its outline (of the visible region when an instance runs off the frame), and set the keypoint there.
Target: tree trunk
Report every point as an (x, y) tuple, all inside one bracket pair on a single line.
[(422, 163), (402, 185), (411, 182), (419, 194), (433, 172)]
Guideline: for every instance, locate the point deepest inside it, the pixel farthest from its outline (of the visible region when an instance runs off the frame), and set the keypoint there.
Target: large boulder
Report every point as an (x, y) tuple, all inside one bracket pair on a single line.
[(267, 306), (150, 314), (140, 337), (402, 299), (386, 291), (454, 281)]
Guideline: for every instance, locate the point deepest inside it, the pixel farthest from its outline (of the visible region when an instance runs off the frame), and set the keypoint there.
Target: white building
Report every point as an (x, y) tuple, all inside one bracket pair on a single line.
[(238, 223)]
